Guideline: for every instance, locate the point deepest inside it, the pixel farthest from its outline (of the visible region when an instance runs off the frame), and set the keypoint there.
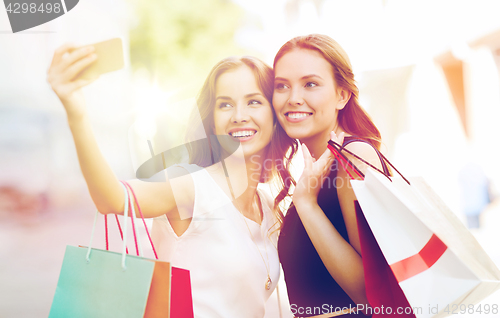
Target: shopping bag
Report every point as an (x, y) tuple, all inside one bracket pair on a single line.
[(385, 296), (102, 283), (383, 292), (436, 261)]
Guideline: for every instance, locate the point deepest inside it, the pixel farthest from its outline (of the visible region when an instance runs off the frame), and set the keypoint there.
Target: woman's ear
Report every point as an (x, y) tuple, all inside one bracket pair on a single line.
[(344, 96)]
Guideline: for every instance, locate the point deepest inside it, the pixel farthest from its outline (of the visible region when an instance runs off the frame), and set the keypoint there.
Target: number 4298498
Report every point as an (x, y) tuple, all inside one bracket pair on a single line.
[(34, 8), (471, 309)]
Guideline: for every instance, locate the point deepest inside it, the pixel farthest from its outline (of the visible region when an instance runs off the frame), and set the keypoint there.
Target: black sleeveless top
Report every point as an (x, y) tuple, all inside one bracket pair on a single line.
[(309, 284)]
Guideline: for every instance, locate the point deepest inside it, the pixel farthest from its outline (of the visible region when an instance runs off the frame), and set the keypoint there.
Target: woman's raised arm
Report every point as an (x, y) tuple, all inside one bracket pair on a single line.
[(156, 198)]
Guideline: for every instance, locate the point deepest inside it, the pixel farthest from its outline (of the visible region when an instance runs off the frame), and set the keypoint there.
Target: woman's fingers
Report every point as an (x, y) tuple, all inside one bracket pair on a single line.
[(78, 66), (79, 83), (60, 51), (327, 155), (320, 167), (326, 158), (66, 56), (67, 63), (74, 55), (341, 138), (338, 139), (307, 157), (325, 162), (315, 171)]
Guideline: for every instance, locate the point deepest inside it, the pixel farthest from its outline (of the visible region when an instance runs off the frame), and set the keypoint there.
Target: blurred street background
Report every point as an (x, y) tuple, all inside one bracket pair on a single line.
[(428, 72)]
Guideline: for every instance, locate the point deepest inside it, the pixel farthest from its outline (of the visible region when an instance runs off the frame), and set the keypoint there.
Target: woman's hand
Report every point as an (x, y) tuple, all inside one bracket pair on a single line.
[(67, 63), (340, 257), (315, 172)]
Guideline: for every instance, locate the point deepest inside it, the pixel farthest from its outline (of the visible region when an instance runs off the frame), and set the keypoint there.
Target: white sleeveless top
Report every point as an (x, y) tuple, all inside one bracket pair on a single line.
[(228, 275)]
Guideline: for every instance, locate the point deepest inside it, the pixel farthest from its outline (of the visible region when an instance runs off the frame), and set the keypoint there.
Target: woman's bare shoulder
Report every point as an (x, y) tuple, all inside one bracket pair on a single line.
[(365, 151)]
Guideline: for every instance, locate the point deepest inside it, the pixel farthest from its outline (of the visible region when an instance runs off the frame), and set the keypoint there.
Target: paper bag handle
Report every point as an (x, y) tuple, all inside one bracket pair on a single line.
[(139, 246), (142, 216), (133, 217), (125, 214), (337, 149)]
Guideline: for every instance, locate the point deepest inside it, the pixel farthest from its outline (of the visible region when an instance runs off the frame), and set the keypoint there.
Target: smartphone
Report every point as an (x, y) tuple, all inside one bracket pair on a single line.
[(109, 59)]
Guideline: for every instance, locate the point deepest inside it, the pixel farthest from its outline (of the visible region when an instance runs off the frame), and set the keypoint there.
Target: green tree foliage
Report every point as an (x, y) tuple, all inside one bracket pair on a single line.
[(178, 41)]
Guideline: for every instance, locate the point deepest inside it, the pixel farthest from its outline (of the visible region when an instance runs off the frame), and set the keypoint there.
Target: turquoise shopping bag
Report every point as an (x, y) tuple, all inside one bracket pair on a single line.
[(100, 283), (101, 287)]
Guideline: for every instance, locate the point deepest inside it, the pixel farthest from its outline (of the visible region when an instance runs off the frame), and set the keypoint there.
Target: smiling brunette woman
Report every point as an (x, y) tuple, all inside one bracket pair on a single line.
[(220, 233), (315, 99)]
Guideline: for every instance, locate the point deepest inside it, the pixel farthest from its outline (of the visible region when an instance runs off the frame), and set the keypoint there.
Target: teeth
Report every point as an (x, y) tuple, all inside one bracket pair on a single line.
[(297, 115), (243, 133)]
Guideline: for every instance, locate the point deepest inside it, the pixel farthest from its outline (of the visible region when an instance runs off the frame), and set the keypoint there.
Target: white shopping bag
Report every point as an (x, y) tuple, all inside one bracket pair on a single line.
[(438, 263)]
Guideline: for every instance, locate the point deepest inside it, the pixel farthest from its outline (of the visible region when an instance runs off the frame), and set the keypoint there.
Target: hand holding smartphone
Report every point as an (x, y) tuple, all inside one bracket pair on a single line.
[(74, 67), (109, 58)]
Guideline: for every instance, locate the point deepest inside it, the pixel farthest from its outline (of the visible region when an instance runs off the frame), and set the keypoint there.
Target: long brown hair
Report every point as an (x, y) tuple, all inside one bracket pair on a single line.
[(353, 119), (206, 154)]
